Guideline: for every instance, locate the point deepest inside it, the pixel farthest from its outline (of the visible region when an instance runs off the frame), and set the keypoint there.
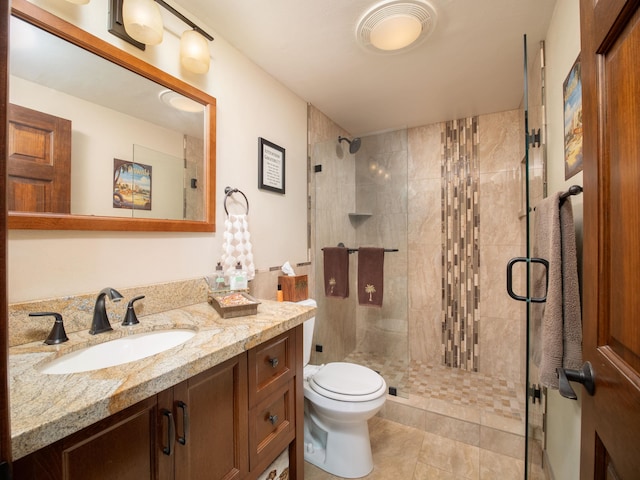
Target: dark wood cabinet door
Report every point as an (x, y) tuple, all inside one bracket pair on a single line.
[(211, 423), (122, 446)]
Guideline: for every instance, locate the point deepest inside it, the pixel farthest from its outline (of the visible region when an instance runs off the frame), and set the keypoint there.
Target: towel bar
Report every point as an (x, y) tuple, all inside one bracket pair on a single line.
[(355, 250)]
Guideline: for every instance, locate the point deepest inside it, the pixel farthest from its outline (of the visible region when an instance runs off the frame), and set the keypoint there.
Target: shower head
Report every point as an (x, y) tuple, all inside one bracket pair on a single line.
[(354, 145)]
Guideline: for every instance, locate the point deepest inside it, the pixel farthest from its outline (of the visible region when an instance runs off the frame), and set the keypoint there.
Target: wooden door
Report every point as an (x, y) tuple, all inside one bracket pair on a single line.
[(611, 119), (38, 162)]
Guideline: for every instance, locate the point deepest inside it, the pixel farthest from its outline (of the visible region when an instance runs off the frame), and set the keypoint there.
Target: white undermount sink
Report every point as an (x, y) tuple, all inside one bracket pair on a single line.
[(116, 352)]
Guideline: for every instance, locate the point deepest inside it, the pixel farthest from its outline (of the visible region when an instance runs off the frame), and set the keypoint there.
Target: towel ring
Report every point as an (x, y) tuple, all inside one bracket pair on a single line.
[(228, 191)]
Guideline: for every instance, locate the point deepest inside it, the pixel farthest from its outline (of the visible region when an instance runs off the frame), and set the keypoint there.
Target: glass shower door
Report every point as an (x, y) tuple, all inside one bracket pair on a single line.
[(533, 181)]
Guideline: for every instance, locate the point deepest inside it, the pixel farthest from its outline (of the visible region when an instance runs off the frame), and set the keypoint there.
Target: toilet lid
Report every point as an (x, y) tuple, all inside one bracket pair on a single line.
[(349, 379)]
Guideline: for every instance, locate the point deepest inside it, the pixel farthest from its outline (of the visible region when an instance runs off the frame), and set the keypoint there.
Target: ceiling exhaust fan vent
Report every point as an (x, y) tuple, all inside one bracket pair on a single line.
[(396, 26)]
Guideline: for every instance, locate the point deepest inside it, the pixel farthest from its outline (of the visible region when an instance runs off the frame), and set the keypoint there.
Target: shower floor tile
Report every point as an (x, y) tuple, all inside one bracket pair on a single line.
[(492, 395)]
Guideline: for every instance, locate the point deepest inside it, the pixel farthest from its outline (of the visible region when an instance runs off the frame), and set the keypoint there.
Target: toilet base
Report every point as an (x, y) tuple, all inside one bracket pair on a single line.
[(343, 450)]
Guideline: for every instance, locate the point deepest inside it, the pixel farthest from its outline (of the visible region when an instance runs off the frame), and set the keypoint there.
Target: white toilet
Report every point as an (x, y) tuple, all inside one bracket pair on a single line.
[(339, 399)]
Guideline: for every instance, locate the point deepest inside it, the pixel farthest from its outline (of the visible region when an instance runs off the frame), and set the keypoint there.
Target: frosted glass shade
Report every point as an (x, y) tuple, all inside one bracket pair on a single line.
[(142, 21), (78, 2), (194, 52), (396, 32)]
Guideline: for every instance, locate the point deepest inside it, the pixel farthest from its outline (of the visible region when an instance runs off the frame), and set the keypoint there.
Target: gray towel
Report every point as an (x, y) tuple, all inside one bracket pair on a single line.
[(557, 323)]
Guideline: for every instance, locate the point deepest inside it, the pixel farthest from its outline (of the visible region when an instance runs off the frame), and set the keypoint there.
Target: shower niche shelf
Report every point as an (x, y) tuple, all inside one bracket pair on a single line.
[(357, 218)]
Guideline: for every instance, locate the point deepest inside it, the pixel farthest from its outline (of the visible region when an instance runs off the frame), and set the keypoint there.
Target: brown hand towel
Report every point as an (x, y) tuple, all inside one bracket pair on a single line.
[(370, 276), (557, 323), (336, 272)]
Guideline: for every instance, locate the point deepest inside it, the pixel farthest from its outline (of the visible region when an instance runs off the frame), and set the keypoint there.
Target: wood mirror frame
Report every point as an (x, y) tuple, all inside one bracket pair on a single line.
[(82, 39)]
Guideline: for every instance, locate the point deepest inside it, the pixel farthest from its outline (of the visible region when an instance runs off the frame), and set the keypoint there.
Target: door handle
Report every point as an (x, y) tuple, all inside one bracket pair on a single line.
[(182, 440), (584, 376), (168, 450), (510, 291)]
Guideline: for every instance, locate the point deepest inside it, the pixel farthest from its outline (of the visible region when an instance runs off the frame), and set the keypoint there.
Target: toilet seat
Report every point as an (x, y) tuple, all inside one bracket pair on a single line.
[(347, 382)]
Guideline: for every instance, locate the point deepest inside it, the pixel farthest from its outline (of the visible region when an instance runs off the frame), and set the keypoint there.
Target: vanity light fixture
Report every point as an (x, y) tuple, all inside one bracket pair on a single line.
[(78, 2), (139, 22), (143, 21), (194, 52)]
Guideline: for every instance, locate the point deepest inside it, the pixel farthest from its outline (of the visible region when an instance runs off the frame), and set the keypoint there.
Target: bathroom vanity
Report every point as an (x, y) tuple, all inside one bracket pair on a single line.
[(224, 404)]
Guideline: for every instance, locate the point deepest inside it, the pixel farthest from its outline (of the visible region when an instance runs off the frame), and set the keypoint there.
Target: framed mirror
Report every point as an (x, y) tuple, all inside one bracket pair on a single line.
[(101, 140)]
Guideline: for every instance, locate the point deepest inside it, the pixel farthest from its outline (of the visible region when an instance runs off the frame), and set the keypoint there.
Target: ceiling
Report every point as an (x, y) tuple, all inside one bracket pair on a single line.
[(471, 64)]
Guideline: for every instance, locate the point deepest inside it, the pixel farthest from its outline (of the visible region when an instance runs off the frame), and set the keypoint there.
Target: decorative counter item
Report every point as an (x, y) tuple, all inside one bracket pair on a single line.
[(233, 304), (294, 287)]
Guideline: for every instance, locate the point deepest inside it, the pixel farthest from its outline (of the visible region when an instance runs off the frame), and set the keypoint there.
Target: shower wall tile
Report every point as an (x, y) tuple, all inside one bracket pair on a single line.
[(425, 303), (495, 300), (425, 243), (424, 152), (501, 141), (500, 346), (499, 208), (425, 211)]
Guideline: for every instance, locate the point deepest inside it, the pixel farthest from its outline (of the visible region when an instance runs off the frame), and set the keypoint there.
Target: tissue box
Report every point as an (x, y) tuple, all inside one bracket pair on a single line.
[(294, 288)]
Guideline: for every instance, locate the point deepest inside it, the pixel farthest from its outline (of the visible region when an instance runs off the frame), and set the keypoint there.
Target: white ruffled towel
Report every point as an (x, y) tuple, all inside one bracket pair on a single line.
[(237, 245)]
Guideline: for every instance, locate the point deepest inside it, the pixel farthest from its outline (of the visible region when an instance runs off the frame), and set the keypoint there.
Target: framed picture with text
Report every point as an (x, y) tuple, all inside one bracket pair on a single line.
[(271, 166)]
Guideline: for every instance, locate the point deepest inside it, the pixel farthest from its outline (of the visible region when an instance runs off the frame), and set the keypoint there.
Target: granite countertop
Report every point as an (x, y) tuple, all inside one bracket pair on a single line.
[(46, 408)]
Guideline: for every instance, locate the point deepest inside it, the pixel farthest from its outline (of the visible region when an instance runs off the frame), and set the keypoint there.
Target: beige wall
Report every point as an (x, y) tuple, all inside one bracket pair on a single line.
[(45, 264), (562, 47)]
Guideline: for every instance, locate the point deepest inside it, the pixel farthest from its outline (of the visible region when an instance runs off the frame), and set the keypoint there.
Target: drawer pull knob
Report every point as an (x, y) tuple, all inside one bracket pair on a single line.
[(274, 362), (273, 419)]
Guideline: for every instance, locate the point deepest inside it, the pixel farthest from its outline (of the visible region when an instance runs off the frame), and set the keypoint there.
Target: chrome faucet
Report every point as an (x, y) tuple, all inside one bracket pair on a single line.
[(100, 320)]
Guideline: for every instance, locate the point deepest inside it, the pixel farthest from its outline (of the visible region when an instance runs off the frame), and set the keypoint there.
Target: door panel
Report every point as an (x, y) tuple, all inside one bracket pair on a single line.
[(611, 115), (38, 162)]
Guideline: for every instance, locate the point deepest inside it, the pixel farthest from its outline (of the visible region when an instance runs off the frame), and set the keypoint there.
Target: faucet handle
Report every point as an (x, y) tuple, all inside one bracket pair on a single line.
[(57, 334), (130, 317)]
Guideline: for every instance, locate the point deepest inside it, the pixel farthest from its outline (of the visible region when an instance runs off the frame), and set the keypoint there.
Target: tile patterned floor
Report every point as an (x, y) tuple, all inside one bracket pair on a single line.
[(460, 387), (402, 452)]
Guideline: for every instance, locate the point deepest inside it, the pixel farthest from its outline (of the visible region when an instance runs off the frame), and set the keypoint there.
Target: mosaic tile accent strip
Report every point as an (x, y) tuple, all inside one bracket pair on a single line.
[(492, 394), (460, 249)]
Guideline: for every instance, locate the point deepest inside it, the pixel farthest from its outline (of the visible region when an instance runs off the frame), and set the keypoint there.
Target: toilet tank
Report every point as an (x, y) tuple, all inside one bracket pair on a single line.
[(308, 327)]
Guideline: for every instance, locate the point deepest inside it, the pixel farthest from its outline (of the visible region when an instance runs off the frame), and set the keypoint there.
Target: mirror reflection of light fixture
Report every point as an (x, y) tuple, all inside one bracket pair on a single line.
[(78, 2), (139, 22), (180, 102), (194, 52), (142, 21)]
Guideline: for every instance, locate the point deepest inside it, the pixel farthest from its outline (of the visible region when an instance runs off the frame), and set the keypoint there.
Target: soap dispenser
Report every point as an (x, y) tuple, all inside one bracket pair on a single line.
[(238, 278), (219, 284)]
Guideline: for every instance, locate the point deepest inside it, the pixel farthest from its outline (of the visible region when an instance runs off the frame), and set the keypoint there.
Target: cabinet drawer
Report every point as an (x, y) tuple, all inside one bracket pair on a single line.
[(271, 425), (271, 366)]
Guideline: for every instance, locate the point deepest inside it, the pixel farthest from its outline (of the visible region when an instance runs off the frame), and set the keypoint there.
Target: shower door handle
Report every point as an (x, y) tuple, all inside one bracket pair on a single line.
[(510, 291)]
